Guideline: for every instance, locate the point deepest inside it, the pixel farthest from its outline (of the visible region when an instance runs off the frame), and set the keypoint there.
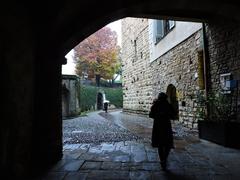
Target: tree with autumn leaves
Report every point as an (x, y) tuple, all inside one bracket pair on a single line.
[(97, 56)]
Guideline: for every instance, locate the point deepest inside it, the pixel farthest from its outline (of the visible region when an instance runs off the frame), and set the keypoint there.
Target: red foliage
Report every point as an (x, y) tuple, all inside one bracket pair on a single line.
[(98, 54)]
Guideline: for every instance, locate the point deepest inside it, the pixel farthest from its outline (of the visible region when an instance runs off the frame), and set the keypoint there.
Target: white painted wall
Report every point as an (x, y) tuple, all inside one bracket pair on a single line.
[(69, 68), (179, 33)]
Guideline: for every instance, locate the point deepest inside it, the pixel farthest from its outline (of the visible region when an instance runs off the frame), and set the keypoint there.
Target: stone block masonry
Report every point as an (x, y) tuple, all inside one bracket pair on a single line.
[(143, 80), (70, 95), (223, 40), (179, 67), (136, 73)]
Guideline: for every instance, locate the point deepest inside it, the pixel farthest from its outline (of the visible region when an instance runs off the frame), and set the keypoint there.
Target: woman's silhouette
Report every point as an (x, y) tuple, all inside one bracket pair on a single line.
[(162, 135)]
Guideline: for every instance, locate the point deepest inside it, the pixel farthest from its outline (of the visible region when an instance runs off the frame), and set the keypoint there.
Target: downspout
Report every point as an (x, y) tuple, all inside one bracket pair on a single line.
[(206, 64)]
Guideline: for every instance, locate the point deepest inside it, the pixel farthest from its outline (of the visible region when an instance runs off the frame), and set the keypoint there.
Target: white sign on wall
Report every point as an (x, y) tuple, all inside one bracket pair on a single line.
[(225, 83)]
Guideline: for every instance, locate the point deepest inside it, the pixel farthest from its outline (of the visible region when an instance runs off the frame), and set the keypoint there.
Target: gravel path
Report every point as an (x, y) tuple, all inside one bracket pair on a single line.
[(94, 129)]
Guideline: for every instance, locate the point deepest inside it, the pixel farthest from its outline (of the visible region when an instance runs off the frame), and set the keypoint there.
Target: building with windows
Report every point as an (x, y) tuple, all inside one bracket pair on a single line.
[(162, 55)]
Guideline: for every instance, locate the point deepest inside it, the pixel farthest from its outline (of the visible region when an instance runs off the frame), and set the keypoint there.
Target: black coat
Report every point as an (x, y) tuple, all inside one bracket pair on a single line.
[(162, 113)]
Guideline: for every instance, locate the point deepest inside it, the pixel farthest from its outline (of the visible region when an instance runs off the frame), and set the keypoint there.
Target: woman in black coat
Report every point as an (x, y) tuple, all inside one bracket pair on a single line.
[(162, 135)]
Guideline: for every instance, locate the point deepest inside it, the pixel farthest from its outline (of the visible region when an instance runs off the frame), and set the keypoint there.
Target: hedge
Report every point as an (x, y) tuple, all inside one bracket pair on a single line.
[(88, 97)]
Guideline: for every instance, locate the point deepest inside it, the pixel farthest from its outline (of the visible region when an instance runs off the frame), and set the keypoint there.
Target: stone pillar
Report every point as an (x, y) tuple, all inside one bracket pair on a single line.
[(31, 126), (47, 125), (17, 94)]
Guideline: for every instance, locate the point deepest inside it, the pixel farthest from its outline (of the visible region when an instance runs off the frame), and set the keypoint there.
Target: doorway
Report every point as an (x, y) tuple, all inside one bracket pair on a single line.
[(173, 99), (99, 101)]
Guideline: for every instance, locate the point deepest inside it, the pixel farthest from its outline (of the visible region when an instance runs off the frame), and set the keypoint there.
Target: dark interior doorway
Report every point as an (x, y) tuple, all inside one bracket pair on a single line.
[(99, 101), (172, 99)]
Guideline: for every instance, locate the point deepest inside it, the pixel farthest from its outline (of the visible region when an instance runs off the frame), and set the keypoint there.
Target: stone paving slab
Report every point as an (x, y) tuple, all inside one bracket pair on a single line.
[(73, 165), (91, 165), (112, 166), (76, 176), (192, 163), (55, 175), (103, 174), (191, 159)]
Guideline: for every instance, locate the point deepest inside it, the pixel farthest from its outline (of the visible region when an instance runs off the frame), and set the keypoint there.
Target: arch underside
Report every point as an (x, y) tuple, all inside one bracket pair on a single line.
[(65, 25)]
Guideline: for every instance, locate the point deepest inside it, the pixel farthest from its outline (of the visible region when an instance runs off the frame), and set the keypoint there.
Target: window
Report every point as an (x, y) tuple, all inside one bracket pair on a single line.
[(171, 24), (161, 28), (225, 80)]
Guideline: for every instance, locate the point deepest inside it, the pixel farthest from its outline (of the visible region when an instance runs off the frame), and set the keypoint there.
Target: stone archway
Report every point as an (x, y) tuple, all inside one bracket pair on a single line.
[(173, 99), (26, 96)]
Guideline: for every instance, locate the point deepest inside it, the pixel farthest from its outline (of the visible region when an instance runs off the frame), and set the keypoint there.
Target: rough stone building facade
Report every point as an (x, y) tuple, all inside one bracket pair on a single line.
[(223, 59), (70, 95), (150, 67), (137, 95)]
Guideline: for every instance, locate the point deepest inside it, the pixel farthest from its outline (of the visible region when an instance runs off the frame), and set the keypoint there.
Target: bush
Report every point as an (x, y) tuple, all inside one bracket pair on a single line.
[(219, 104)]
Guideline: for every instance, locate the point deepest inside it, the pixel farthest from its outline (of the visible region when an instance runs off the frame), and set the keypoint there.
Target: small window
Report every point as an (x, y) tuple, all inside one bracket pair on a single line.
[(161, 28)]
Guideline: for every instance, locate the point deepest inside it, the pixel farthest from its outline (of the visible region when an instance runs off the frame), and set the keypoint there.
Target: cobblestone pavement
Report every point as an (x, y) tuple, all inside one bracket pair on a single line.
[(94, 129), (132, 157)]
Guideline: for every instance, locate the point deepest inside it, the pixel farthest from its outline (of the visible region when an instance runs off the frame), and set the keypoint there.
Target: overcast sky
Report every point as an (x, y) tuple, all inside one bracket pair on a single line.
[(69, 68)]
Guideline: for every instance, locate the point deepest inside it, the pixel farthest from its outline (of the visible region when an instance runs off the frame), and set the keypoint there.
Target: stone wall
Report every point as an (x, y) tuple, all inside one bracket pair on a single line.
[(70, 95), (179, 67), (223, 41), (136, 74), (142, 80)]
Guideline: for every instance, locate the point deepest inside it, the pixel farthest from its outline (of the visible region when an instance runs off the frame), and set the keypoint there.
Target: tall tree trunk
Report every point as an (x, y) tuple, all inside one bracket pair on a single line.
[(112, 82), (98, 77)]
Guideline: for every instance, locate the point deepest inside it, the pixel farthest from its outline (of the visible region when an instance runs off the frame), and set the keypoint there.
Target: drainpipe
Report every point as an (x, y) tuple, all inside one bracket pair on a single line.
[(206, 64)]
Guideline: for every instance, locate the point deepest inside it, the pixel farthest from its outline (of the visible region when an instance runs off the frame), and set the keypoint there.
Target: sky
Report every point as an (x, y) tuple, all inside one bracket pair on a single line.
[(69, 68)]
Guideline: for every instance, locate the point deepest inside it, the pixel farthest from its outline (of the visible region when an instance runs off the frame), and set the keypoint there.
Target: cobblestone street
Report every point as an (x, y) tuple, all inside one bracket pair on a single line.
[(117, 146), (94, 129)]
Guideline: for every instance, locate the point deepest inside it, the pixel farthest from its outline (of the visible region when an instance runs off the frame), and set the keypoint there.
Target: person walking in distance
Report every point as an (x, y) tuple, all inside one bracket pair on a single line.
[(162, 134), (105, 104)]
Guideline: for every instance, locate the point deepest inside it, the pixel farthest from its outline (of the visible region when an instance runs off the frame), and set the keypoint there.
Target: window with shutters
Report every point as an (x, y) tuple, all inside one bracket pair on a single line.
[(161, 28)]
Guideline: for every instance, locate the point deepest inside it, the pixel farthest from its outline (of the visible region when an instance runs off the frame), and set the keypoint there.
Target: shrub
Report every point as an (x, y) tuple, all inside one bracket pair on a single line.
[(219, 104)]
